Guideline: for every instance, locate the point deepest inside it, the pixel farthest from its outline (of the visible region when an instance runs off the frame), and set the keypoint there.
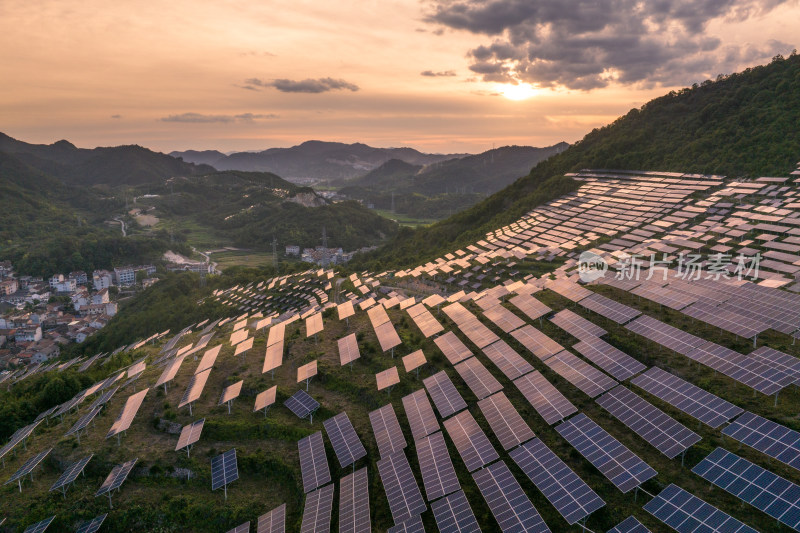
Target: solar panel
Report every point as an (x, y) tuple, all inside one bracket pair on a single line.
[(507, 360), (402, 492), (387, 378), (273, 521), (208, 360), (194, 389), (313, 462), (243, 346), (314, 324), (537, 342), (581, 374), (238, 336), (568, 493), (420, 414), (273, 357), (610, 309), (529, 305), (444, 394), (387, 336), (766, 436), (230, 393), (307, 371), (317, 512), (265, 398), (348, 349), (386, 428), (345, 310), (454, 515), (613, 459), (345, 441), (614, 361), (414, 360), (568, 289), (301, 404), (276, 334), (70, 473), (438, 475), (424, 320), (576, 325), (479, 380), (377, 316), (354, 503), (190, 433), (412, 525), (91, 526), (20, 435), (116, 478), (503, 318), (629, 525), (27, 467), (83, 422), (224, 470), (126, 416), (666, 434), (692, 400), (241, 528), (452, 347), (767, 492), (471, 442), (505, 421), (509, 504), (544, 397), (39, 527), (686, 513), (170, 371)]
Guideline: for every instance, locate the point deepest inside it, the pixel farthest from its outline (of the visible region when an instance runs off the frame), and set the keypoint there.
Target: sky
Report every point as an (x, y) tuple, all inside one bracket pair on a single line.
[(444, 76)]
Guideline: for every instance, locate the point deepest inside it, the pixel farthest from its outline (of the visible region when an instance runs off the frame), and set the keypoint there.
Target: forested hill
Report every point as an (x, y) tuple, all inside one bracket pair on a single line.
[(741, 125), (117, 165)]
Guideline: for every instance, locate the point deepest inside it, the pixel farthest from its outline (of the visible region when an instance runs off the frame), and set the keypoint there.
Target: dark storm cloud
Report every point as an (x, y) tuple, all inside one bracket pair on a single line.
[(311, 86), (199, 118), (586, 45), (432, 74)]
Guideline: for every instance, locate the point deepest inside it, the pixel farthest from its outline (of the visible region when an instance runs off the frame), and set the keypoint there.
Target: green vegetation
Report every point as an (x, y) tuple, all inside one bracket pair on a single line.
[(744, 124)]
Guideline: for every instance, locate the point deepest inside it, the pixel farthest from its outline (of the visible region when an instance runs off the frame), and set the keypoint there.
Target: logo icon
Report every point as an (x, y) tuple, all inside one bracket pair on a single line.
[(591, 266)]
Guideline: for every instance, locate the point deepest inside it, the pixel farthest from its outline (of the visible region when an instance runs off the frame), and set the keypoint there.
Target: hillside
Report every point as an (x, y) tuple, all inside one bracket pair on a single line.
[(316, 160), (744, 124), (118, 165)]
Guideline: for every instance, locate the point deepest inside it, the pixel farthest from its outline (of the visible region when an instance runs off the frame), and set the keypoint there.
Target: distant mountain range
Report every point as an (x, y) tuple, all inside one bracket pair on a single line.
[(118, 165), (312, 159)]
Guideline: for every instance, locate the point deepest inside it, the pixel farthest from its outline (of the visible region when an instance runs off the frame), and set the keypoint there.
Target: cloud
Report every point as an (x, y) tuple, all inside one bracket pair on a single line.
[(432, 74), (309, 86), (586, 45), (199, 118)]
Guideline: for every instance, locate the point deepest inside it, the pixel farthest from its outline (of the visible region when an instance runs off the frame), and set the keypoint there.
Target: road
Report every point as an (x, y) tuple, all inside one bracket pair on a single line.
[(122, 223)]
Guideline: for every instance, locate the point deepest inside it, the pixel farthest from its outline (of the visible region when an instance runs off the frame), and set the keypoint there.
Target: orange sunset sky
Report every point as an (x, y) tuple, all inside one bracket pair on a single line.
[(439, 75)]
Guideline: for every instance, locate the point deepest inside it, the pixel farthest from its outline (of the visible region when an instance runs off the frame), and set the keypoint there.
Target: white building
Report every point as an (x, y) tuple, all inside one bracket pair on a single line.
[(102, 279), (29, 334), (125, 277), (67, 285)]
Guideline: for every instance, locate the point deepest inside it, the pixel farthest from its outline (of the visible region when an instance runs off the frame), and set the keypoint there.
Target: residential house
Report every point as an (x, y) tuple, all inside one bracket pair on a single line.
[(292, 249), (29, 334), (79, 276), (65, 286), (8, 287), (102, 279), (100, 297)]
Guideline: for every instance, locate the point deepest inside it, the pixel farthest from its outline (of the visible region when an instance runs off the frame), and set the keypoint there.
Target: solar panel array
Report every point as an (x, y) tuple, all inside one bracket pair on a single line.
[(317, 512), (386, 428), (568, 493), (402, 492), (90, 526), (479, 380), (692, 400), (354, 503), (507, 360), (313, 462), (471, 442), (470, 326), (195, 388), (629, 525), (666, 434), (503, 318), (581, 374), (610, 309), (614, 361), (507, 501), (454, 515), (224, 469), (505, 421), (544, 397), (537, 342), (345, 441), (208, 360), (529, 305), (116, 477), (241, 528), (39, 527), (28, 466), (776, 496), (273, 522), (348, 349), (70, 473), (412, 525), (438, 475), (613, 459), (190, 434), (424, 320), (766, 436), (576, 325), (83, 421), (126, 416), (686, 513), (301, 404), (452, 347), (444, 394), (420, 414)]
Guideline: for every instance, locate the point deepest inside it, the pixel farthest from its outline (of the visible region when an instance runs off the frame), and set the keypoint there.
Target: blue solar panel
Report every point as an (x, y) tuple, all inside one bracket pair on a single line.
[(454, 515), (224, 469), (629, 525), (301, 404), (768, 437), (509, 504), (762, 489), (686, 513)]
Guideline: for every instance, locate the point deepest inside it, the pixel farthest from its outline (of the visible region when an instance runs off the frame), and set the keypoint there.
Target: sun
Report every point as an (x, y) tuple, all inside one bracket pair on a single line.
[(520, 91)]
